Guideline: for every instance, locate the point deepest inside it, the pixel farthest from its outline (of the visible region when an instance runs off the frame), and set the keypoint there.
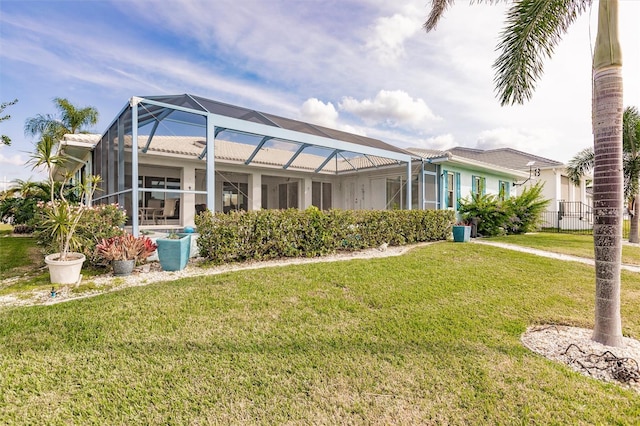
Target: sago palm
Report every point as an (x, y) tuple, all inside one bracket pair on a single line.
[(533, 30)]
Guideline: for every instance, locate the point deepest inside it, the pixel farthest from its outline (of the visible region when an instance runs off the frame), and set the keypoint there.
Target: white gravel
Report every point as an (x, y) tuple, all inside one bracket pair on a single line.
[(573, 346)]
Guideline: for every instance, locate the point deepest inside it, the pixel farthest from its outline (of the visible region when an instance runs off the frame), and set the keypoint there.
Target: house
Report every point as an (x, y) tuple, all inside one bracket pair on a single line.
[(174, 156), (570, 206)]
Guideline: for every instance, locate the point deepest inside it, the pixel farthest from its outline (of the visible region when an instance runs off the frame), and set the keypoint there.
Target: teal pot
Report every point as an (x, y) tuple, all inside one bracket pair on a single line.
[(461, 234), (123, 267), (174, 253)]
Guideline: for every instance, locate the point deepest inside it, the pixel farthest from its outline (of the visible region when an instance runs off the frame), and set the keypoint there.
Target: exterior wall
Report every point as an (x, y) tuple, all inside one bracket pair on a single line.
[(557, 187), (362, 190), (491, 179)]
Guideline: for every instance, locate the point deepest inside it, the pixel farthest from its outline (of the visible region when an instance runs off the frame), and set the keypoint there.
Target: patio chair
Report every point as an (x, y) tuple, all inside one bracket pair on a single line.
[(166, 212)]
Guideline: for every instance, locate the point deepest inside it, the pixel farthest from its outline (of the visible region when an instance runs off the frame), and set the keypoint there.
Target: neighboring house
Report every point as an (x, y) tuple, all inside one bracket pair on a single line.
[(570, 206), (162, 155), (459, 177)]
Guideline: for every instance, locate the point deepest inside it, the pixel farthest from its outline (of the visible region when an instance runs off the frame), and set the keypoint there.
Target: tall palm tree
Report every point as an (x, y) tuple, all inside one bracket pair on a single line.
[(582, 163), (533, 30), (70, 120), (51, 130)]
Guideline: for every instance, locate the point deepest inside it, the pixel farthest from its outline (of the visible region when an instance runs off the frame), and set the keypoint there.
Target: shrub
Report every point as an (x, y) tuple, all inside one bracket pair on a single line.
[(18, 210), (515, 215), (23, 229), (270, 234), (97, 223), (126, 247), (525, 211), (489, 212)]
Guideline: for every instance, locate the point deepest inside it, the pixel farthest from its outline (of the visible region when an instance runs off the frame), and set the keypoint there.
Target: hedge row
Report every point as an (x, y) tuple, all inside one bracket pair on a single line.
[(270, 234)]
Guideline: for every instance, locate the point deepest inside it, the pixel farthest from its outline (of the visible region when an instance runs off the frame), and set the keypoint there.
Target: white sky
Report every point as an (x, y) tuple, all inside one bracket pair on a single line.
[(363, 66)]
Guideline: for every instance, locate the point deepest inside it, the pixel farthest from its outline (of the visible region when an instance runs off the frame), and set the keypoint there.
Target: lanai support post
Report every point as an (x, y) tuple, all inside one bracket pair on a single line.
[(211, 170), (409, 185), (135, 193)]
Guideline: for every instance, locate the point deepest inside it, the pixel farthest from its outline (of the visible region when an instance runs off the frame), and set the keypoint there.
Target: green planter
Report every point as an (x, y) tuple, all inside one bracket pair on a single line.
[(174, 253), (461, 234)]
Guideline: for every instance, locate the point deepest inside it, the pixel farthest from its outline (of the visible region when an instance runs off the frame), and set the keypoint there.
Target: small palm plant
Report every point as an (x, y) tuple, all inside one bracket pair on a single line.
[(60, 217)]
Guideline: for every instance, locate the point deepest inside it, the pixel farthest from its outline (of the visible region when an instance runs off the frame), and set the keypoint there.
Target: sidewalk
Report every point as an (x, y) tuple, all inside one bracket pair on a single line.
[(559, 256)]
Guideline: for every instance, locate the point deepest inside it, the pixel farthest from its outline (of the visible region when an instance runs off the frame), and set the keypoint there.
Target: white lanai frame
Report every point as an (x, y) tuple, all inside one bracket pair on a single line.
[(217, 121)]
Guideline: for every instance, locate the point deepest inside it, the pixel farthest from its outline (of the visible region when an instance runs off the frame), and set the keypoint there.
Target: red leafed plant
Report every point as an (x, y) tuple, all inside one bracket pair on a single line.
[(126, 247)]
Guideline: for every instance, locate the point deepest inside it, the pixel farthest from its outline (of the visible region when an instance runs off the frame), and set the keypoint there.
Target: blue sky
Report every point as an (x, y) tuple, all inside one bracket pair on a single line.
[(364, 66)]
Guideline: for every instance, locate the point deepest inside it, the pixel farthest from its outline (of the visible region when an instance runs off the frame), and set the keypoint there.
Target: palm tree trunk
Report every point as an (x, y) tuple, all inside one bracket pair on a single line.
[(608, 203)]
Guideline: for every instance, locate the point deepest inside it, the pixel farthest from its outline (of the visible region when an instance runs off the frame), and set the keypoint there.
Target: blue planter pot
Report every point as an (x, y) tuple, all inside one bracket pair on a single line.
[(461, 234), (174, 254)]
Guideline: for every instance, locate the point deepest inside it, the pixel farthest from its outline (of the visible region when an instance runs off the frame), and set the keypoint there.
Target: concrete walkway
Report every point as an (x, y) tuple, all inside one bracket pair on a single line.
[(543, 253)]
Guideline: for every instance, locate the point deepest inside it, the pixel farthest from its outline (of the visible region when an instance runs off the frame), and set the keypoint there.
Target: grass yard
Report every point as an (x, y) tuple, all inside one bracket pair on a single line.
[(573, 244), (18, 256), (428, 337)]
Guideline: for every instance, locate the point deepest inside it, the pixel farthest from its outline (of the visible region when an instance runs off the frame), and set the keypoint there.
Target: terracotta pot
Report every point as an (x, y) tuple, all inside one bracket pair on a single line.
[(65, 271)]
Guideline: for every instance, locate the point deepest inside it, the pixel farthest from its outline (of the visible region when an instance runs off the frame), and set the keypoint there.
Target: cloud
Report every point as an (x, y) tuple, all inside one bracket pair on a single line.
[(391, 108), (13, 160), (533, 141), (317, 112), (390, 34), (440, 142)]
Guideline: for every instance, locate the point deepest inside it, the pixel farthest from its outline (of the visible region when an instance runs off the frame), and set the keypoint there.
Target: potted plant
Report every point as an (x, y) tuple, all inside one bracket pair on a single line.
[(461, 232), (125, 251), (174, 251), (59, 218)]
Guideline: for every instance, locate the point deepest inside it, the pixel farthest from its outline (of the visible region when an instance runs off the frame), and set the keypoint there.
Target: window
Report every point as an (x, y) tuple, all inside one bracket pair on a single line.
[(321, 195), (450, 189), (234, 196), (288, 195), (159, 184), (397, 193), (503, 190), (478, 185)]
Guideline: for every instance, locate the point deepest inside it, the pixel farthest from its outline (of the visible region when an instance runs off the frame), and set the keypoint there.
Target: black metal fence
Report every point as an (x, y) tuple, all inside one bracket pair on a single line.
[(574, 222)]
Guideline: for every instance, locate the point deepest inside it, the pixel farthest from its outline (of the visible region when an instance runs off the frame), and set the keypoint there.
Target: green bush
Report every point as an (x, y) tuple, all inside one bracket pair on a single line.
[(271, 234), (97, 222), (18, 210), (515, 215)]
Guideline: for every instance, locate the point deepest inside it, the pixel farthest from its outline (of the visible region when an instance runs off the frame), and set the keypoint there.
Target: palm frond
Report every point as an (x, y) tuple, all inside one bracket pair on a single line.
[(43, 124), (438, 7), (631, 130), (75, 119), (533, 30), (581, 164)]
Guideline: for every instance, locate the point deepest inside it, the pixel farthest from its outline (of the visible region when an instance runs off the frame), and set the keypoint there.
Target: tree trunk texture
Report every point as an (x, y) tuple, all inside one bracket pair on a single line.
[(608, 202)]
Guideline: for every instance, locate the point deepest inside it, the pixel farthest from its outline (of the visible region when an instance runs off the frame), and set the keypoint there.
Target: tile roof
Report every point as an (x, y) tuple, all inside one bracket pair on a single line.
[(236, 152)]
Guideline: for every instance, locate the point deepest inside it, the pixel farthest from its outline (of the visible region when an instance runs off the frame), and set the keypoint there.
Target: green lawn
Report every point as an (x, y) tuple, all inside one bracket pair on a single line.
[(573, 244), (428, 337), (18, 256)]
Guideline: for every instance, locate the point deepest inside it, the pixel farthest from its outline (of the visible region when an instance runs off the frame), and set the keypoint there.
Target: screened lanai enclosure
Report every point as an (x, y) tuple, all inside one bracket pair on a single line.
[(166, 158)]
